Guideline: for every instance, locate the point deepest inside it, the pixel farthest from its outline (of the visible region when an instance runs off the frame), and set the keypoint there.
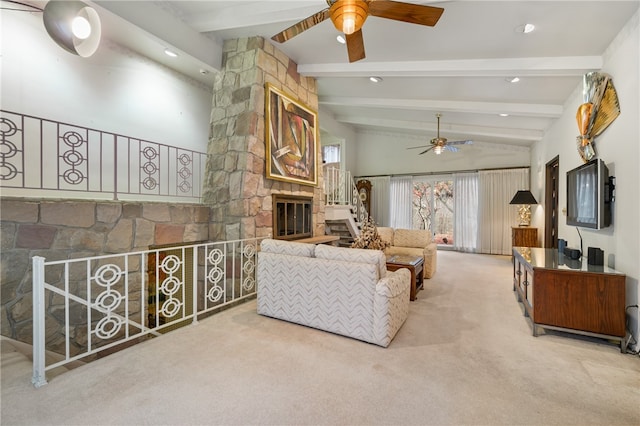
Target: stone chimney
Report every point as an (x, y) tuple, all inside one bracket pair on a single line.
[(235, 184)]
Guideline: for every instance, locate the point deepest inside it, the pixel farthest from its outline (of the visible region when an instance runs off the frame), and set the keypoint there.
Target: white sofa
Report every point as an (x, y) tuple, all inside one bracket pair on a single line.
[(341, 290), (416, 242)]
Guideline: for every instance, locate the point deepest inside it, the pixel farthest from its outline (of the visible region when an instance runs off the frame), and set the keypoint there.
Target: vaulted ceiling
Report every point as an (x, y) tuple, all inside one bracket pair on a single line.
[(459, 68)]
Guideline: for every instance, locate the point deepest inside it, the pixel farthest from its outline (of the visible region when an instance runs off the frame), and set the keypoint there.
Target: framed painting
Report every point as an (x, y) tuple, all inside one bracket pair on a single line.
[(291, 139)]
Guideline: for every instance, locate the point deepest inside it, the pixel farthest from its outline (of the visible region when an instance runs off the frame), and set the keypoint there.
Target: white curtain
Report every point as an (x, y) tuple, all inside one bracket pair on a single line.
[(401, 198), (380, 200), (465, 196), (496, 188)]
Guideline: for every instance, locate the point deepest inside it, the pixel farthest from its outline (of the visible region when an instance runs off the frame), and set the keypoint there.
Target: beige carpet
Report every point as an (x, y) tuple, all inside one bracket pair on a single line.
[(465, 356)]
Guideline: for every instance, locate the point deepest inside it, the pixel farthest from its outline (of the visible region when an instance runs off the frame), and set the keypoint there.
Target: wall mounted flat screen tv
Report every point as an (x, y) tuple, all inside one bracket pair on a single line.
[(589, 196)]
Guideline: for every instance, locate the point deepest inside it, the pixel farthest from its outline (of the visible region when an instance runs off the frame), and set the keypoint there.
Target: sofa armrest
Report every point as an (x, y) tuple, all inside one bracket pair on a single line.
[(430, 249), (394, 283), (391, 305), (430, 259)]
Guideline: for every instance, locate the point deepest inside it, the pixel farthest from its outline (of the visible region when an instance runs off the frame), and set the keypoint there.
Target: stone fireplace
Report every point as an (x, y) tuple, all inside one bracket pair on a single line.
[(235, 185)]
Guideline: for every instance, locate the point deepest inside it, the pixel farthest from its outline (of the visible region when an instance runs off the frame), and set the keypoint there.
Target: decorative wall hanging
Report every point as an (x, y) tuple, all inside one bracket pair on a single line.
[(291, 139), (600, 108)]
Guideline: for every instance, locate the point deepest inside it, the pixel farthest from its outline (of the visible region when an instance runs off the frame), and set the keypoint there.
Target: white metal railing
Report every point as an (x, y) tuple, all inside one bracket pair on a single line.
[(84, 306), (340, 189), (39, 156)]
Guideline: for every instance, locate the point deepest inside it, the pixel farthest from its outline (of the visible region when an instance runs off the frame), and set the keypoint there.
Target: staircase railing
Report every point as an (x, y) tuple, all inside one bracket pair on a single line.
[(39, 156), (340, 189), (82, 307)]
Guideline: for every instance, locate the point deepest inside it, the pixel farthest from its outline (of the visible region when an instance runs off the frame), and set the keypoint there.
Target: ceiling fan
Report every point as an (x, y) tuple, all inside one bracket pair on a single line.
[(348, 16), (439, 144)]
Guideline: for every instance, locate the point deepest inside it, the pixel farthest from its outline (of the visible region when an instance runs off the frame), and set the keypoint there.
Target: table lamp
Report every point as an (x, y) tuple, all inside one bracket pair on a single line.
[(524, 198)]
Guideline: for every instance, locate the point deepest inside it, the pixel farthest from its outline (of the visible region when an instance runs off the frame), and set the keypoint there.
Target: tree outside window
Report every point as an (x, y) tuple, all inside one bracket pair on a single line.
[(433, 208)]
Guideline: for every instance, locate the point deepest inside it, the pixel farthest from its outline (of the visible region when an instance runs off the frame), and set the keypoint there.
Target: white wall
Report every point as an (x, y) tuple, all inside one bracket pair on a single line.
[(386, 153), (115, 90), (619, 148), (339, 131)]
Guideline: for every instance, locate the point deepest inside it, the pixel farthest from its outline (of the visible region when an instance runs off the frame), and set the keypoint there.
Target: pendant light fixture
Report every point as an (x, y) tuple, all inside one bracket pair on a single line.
[(74, 26)]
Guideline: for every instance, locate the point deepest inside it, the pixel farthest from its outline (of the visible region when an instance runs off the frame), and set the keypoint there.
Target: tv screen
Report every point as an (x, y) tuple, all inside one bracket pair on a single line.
[(587, 195)]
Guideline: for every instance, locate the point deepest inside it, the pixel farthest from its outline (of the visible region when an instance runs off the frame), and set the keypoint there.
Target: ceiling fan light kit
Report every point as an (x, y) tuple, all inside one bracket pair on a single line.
[(348, 16), (439, 145)]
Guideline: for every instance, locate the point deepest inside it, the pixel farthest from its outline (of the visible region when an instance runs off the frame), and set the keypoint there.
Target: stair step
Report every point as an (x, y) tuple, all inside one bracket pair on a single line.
[(19, 356)]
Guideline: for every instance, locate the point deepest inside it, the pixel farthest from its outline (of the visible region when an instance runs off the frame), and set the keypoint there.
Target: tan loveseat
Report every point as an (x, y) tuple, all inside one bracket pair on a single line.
[(416, 242)]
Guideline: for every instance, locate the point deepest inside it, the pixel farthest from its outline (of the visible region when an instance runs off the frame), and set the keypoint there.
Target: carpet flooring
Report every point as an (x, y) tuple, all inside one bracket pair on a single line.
[(465, 355)]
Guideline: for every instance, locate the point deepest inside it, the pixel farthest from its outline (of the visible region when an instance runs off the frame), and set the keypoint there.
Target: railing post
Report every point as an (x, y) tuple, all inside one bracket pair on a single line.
[(39, 378), (349, 186), (194, 280), (115, 168), (327, 187)]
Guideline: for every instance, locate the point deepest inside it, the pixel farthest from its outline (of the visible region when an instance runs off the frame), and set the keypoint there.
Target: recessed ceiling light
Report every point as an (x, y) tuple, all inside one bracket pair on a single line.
[(341, 39), (513, 79), (375, 79), (170, 53), (503, 115), (526, 28)]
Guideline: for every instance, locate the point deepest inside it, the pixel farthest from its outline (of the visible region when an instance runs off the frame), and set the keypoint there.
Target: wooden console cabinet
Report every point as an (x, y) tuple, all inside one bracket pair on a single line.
[(569, 295)]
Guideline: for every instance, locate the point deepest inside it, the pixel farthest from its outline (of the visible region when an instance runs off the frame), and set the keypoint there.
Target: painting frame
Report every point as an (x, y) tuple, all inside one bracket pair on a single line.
[(291, 138)]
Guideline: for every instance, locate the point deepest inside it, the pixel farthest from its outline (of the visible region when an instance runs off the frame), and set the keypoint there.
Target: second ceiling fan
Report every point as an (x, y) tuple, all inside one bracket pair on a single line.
[(348, 16), (438, 144)]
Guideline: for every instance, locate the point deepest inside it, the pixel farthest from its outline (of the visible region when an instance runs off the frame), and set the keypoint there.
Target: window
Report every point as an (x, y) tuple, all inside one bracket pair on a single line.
[(433, 208), (331, 154)]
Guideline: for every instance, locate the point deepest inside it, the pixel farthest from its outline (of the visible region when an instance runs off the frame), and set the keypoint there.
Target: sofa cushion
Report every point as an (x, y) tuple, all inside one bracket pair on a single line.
[(386, 234), (287, 247), (412, 237), (375, 257)]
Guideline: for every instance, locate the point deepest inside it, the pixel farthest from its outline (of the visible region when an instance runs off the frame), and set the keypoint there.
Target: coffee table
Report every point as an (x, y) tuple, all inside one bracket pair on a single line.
[(415, 265)]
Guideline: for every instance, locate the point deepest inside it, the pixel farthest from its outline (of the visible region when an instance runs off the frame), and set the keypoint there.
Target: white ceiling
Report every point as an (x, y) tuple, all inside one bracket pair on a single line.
[(457, 68)]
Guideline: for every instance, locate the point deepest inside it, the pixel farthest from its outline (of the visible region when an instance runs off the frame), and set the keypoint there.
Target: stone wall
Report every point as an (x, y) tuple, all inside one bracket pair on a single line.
[(58, 230), (235, 185)]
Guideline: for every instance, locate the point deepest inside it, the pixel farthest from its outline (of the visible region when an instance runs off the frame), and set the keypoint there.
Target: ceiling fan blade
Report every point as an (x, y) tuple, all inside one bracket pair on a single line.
[(450, 148), (426, 150), (467, 142), (416, 147), (406, 12), (301, 26), (355, 46)]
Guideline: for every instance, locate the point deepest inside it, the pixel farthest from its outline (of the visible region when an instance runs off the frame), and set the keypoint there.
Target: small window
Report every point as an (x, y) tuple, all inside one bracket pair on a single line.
[(330, 154)]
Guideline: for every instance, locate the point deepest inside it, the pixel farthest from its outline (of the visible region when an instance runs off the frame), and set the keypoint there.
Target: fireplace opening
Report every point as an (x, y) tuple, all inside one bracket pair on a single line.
[(292, 217)]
